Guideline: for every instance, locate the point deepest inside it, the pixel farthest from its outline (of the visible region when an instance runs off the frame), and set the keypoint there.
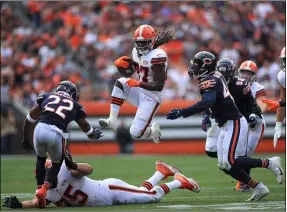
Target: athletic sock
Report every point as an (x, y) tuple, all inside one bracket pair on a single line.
[(40, 171), (176, 184), (239, 175), (117, 99), (246, 162), (152, 181)]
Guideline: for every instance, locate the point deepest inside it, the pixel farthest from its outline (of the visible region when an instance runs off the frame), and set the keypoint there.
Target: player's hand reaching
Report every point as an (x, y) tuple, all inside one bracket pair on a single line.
[(206, 123), (277, 134), (69, 161), (174, 114), (271, 104), (252, 121), (133, 83), (11, 202), (26, 145), (96, 134)]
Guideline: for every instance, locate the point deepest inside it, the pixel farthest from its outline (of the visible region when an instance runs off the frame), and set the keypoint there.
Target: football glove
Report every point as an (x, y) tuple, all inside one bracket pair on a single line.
[(252, 121), (11, 202), (133, 83), (206, 123), (271, 104), (122, 62), (26, 145), (277, 134), (96, 134), (69, 161), (174, 114)]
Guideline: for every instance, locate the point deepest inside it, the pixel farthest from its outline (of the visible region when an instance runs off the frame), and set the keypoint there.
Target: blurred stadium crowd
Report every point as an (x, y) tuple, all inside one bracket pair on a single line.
[(43, 42)]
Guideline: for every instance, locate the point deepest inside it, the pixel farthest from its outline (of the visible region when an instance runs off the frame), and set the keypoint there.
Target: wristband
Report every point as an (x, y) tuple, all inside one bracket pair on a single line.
[(29, 118), (90, 131)]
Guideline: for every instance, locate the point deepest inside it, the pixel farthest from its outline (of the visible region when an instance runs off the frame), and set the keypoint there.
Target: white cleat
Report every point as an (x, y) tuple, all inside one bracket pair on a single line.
[(259, 192), (108, 123), (275, 166), (155, 127)]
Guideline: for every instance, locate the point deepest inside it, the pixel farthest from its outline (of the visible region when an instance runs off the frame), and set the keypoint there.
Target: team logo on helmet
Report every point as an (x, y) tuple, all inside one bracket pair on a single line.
[(207, 61)]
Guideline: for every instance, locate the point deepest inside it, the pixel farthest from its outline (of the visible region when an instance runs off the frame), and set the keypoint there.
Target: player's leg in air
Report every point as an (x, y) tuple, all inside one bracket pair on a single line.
[(231, 159), (47, 141), (150, 190), (147, 108), (254, 136)]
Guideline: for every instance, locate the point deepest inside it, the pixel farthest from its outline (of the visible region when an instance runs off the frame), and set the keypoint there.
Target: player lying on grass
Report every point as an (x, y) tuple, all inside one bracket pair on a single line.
[(75, 189)]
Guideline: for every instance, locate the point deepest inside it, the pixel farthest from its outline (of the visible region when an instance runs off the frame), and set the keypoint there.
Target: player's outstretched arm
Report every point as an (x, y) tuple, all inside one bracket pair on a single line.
[(29, 122), (206, 102), (90, 131), (77, 170), (14, 203)]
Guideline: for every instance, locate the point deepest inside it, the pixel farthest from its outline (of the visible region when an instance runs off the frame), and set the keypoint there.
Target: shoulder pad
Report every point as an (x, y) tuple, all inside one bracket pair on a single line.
[(259, 89), (41, 98), (157, 56), (281, 78)]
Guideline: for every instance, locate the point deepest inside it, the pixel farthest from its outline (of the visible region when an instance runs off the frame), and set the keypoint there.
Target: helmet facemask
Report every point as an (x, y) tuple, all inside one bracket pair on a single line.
[(197, 72), (283, 63), (248, 75), (227, 71), (144, 46)]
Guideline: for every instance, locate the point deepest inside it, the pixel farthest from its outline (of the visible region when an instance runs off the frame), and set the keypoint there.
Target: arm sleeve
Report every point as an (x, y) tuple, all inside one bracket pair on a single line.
[(206, 102)]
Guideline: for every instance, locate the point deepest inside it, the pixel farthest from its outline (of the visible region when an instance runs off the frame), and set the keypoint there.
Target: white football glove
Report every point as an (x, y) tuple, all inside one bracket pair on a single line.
[(213, 130), (277, 134)]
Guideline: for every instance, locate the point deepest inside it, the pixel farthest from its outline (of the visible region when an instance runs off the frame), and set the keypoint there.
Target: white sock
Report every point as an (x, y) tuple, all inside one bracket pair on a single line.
[(117, 99), (152, 181), (176, 184)]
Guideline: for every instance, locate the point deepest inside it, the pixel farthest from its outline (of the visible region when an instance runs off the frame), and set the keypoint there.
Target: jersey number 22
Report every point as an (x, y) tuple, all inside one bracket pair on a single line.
[(59, 109)]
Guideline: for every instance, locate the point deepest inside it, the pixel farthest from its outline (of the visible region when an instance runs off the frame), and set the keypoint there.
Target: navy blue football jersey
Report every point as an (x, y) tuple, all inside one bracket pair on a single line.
[(224, 108), (244, 100), (59, 110)]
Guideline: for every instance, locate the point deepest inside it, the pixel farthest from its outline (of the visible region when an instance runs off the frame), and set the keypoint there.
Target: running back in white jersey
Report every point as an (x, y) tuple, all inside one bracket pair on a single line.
[(281, 77), (78, 191), (257, 90), (145, 62)]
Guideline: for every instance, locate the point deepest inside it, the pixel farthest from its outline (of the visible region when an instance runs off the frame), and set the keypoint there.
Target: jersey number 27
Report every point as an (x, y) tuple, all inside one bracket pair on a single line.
[(59, 110)]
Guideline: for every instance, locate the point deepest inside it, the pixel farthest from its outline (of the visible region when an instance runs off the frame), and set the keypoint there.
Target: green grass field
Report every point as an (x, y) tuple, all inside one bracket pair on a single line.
[(216, 195)]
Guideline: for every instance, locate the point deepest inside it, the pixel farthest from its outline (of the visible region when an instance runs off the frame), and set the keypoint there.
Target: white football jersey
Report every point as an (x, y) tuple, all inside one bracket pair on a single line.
[(79, 191), (145, 62), (281, 77), (257, 90)]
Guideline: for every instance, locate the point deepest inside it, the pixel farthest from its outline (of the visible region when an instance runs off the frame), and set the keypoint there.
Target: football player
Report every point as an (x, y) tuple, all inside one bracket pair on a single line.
[(150, 64), (75, 189), (54, 111), (245, 102), (281, 113), (232, 141)]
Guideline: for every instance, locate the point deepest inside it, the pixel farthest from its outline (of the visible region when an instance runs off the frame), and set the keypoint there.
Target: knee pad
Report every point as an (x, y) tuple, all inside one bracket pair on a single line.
[(211, 154), (135, 132)]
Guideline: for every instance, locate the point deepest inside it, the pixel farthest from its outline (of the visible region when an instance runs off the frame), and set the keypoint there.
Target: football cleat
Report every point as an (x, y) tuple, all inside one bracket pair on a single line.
[(108, 123), (275, 166), (241, 187), (155, 128), (187, 183), (40, 198), (259, 192), (165, 169)]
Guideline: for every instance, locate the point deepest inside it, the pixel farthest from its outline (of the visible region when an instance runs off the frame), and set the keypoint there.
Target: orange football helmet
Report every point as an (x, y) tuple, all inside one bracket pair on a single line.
[(144, 38), (283, 59), (248, 70)]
